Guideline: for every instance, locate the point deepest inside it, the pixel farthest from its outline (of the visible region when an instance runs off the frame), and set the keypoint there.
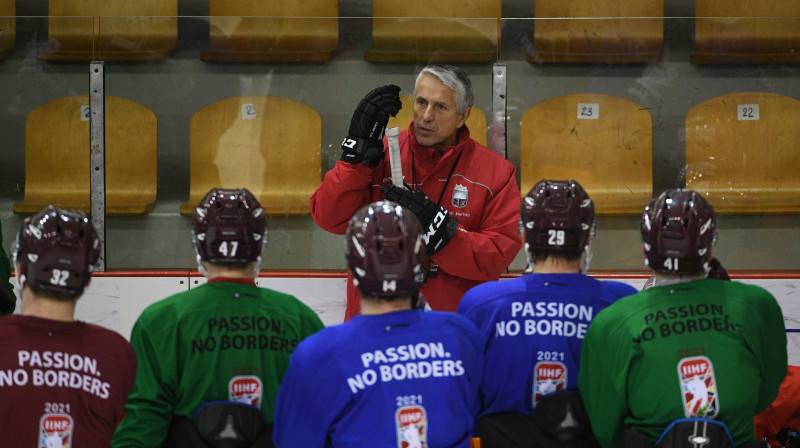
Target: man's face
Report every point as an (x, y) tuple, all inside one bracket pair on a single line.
[(435, 119)]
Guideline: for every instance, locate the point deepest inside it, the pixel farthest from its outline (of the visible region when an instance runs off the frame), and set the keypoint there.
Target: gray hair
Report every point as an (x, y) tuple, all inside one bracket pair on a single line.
[(454, 78)]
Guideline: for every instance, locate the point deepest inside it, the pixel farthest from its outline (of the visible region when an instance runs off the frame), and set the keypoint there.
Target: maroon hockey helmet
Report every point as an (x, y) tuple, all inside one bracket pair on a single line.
[(557, 216), (678, 230), (384, 249), (229, 226), (56, 250)]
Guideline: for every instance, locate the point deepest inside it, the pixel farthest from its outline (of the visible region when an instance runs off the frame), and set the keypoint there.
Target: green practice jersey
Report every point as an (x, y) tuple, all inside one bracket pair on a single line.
[(219, 341), (708, 348)]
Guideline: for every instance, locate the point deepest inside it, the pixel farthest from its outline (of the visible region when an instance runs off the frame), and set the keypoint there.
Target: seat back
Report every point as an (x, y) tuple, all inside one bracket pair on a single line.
[(82, 30), (476, 122), (267, 144), (743, 152), (57, 156), (8, 26), (451, 31), (273, 30), (746, 32), (602, 141), (633, 32)]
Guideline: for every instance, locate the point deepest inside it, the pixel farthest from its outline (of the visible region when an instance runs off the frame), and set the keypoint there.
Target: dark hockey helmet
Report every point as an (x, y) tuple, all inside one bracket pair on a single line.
[(557, 216), (384, 249), (56, 250), (229, 226), (678, 230)]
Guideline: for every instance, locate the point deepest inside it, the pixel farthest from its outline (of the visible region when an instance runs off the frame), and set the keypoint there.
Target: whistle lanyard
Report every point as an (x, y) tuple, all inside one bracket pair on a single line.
[(449, 175)]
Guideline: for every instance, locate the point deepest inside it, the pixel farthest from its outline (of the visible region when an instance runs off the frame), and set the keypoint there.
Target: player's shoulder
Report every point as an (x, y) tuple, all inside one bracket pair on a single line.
[(327, 343), (454, 324), (616, 289), (166, 307), (108, 341), (488, 293)]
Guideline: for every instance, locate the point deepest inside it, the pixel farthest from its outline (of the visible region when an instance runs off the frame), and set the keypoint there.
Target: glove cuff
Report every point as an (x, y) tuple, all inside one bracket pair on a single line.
[(362, 150)]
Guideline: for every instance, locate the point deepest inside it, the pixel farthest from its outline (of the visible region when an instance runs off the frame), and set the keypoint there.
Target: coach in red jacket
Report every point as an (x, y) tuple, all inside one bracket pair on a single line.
[(465, 195)]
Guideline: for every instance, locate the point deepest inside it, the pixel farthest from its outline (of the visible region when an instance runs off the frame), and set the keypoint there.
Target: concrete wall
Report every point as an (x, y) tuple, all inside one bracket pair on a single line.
[(176, 87)]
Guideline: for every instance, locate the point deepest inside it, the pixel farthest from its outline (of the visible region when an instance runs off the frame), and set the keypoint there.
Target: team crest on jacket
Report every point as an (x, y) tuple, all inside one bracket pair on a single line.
[(55, 431), (548, 377), (412, 427), (245, 389), (698, 387), (460, 195)]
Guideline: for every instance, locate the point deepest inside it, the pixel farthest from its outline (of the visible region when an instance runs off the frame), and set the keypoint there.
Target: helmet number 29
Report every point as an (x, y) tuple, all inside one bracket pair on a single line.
[(671, 263), (223, 248), (555, 237), (59, 277)]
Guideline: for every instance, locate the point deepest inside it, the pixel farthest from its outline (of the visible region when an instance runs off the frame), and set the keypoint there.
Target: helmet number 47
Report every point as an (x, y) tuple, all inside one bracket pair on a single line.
[(223, 248)]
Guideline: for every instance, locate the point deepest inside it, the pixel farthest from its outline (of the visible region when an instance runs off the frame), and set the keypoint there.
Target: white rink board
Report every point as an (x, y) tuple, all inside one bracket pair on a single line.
[(116, 302)]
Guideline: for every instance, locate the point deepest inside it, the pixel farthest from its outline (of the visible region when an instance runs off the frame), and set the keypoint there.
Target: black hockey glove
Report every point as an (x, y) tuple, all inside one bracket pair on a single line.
[(364, 141), (438, 227)]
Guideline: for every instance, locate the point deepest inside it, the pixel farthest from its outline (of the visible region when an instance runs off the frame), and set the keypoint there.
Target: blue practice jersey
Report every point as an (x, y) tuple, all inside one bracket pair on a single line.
[(532, 329), (404, 379)]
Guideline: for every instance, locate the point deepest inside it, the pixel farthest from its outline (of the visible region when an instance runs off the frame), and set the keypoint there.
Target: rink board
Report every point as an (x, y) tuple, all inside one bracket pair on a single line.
[(115, 299)]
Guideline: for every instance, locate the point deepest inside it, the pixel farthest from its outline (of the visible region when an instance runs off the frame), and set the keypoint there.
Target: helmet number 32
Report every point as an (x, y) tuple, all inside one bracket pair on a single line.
[(59, 277), (555, 237)]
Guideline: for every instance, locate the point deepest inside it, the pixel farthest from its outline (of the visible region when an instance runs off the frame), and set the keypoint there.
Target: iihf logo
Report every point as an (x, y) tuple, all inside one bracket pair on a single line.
[(245, 389), (55, 431), (460, 194)]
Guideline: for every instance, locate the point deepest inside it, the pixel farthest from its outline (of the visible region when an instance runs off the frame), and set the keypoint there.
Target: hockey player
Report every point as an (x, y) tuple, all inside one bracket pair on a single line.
[(394, 375), (62, 382), (465, 195), (227, 340), (690, 347), (532, 327)]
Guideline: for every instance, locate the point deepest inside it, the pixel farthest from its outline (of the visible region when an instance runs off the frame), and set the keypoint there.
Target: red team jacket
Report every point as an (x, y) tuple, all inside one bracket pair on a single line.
[(482, 193), (61, 383)]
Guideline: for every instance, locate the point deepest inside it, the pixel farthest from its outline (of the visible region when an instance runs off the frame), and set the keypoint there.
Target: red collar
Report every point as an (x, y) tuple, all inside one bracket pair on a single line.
[(241, 280)]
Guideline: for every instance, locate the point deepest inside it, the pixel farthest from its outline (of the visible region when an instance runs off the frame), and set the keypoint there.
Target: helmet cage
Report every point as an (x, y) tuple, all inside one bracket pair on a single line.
[(558, 216), (384, 249), (678, 230), (56, 250), (229, 226)]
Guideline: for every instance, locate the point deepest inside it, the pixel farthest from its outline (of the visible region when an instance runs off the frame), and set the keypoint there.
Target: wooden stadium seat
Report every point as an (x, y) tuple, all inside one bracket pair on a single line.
[(743, 152), (272, 31), (111, 30), (632, 33), (8, 28), (746, 32), (451, 31), (476, 122), (267, 144), (57, 156), (603, 142)]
